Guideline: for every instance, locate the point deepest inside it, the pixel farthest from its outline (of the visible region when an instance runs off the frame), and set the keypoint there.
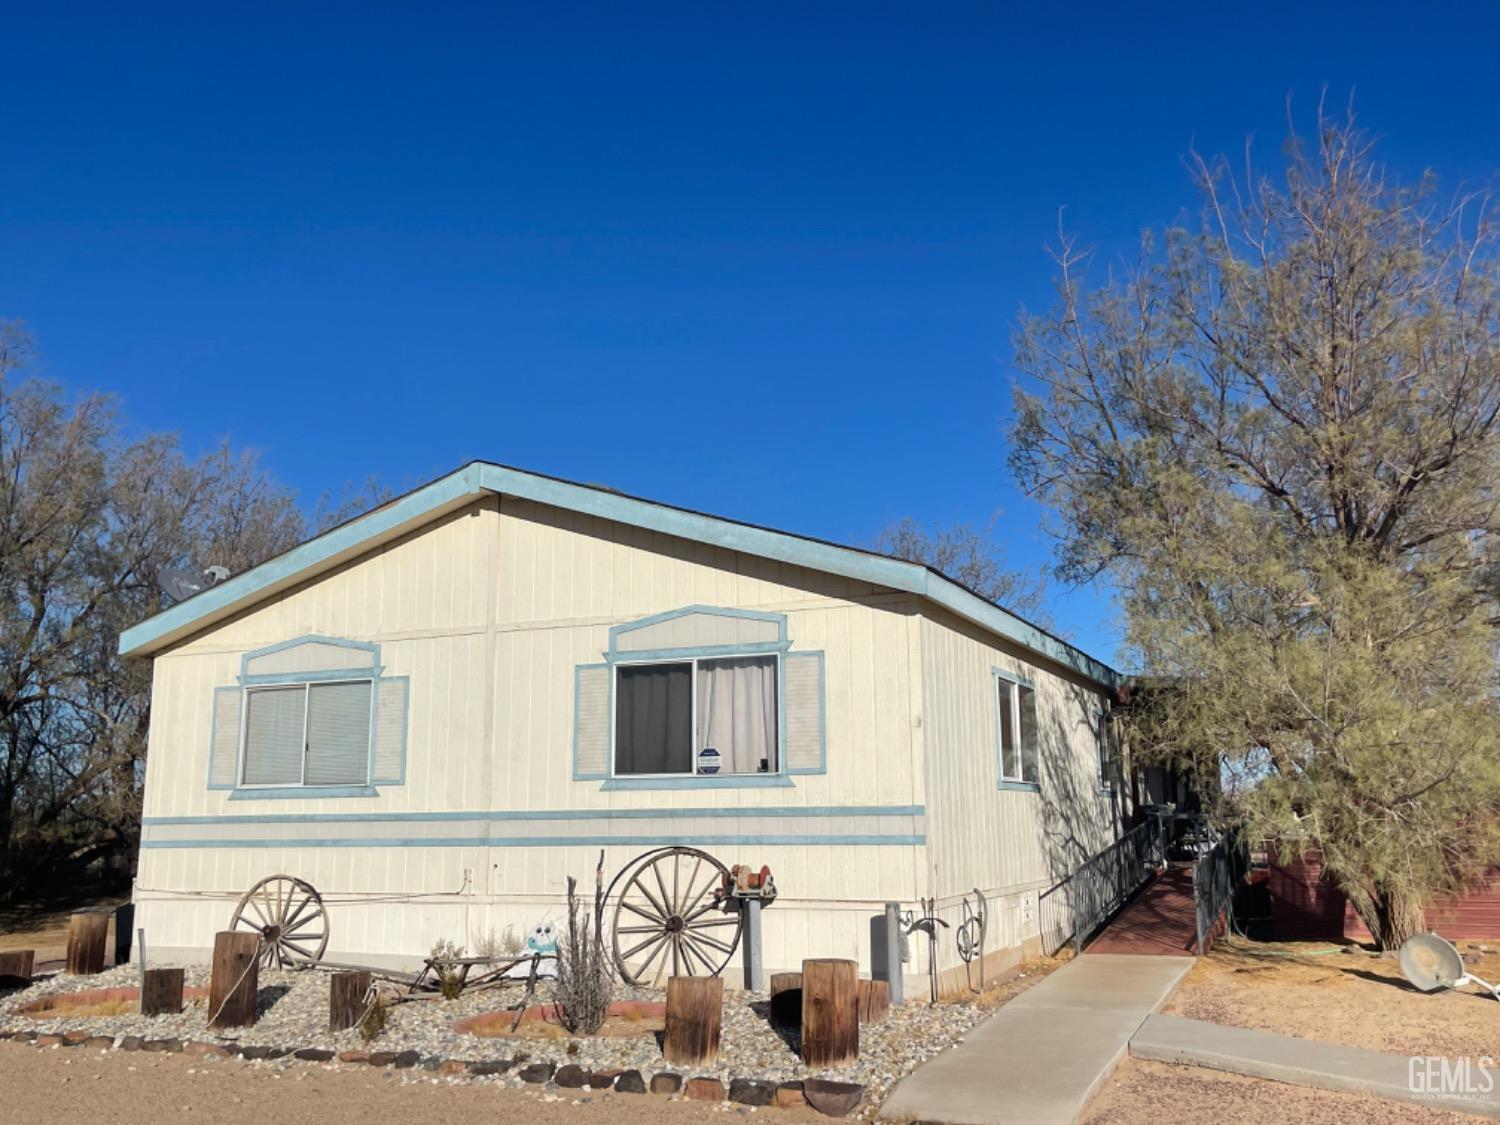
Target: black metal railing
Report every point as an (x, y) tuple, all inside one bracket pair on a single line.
[(1076, 907), (1216, 876)]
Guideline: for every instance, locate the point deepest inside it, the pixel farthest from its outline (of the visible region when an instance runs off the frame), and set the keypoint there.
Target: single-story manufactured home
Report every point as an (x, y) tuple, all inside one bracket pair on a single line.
[(438, 712)]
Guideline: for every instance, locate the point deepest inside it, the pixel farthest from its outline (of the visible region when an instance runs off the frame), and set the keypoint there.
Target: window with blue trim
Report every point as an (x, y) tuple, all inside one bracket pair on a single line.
[(1015, 712), (307, 734), (700, 696), (310, 717), (700, 716)]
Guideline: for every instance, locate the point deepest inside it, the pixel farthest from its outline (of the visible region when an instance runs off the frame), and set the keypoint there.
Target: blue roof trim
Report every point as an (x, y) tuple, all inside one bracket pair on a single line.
[(333, 546), (478, 477)]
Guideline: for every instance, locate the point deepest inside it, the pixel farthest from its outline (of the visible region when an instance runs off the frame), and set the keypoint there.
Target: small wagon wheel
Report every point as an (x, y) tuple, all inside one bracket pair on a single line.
[(669, 920), (288, 915)]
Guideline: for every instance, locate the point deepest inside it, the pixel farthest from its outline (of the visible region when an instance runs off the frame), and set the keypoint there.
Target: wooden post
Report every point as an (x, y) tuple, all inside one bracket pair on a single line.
[(232, 988), (830, 1012), (694, 1008), (161, 992), (346, 999), (874, 1000), (15, 968), (786, 999), (88, 931)]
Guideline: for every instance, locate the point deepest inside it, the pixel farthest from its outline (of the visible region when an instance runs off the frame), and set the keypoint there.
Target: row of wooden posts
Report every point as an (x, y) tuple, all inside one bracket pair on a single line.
[(88, 941), (826, 999), (234, 983)]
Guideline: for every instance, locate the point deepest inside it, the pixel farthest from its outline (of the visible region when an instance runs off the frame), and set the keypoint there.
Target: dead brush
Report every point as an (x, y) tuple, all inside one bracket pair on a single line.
[(585, 972), (450, 982), (508, 943), (373, 1022)]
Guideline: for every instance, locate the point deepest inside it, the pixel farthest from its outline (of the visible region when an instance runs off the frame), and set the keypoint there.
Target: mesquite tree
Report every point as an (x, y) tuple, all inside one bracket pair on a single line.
[(1278, 435)]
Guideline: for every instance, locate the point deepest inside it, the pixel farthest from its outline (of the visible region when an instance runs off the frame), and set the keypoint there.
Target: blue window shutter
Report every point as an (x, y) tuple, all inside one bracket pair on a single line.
[(591, 721), (806, 707), (392, 696), (224, 739)]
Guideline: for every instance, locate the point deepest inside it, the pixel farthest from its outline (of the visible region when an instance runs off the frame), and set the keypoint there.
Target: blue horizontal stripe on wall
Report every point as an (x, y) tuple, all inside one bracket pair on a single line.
[(544, 814), (539, 842)]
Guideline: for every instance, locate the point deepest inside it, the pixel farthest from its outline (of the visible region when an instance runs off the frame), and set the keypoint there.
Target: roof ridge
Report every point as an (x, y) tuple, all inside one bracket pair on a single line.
[(421, 504)]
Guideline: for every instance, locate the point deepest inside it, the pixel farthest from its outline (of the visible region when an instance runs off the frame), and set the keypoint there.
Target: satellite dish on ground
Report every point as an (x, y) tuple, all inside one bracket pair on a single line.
[(1433, 964), (181, 583)]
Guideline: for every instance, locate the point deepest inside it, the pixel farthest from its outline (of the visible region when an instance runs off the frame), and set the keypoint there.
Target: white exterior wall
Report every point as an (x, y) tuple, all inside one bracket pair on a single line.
[(488, 611), (1011, 844)]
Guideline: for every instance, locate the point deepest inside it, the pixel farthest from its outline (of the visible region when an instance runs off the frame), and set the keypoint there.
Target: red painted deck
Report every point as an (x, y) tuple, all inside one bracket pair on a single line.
[(1161, 920)]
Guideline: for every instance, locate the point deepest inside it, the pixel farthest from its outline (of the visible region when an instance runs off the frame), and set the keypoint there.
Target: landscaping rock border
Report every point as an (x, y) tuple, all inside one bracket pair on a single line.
[(664, 1083)]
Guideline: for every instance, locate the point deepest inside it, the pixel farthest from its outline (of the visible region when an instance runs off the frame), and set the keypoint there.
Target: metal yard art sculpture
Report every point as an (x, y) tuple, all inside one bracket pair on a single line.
[(927, 923), (971, 934)]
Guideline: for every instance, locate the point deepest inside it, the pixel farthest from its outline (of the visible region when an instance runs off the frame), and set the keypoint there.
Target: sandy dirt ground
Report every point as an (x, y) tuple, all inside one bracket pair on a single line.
[(119, 1088), (1345, 997), (1147, 1093)]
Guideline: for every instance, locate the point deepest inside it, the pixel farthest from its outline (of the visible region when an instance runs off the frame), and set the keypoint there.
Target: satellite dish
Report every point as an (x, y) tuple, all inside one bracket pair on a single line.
[(181, 583), (1432, 964)]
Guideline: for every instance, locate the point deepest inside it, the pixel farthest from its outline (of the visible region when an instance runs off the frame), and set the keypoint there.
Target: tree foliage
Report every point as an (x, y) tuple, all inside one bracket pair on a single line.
[(969, 557), (1278, 435), (89, 517)]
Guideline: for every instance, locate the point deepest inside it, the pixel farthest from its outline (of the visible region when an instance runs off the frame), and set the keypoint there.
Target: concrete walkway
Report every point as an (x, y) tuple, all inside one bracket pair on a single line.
[(1331, 1066), (1044, 1055)]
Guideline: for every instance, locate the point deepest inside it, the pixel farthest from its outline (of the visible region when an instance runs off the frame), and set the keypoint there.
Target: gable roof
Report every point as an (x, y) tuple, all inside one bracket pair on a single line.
[(478, 478)]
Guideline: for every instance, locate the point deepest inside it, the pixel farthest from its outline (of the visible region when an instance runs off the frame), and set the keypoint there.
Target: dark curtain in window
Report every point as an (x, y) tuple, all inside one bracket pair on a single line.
[(654, 719)]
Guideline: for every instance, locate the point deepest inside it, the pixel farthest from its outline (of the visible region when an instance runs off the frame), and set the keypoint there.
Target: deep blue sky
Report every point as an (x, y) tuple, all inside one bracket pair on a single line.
[(761, 260)]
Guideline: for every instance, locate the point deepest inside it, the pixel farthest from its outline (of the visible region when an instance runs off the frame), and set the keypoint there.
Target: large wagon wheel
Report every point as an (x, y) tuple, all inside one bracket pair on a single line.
[(669, 919), (288, 915)]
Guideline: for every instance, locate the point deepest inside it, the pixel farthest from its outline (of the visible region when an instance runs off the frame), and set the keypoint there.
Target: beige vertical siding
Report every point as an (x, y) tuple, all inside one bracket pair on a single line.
[(1011, 845), (487, 611)]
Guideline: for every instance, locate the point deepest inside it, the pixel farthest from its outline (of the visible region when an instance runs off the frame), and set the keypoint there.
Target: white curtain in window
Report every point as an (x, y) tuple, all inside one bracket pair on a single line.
[(737, 712)]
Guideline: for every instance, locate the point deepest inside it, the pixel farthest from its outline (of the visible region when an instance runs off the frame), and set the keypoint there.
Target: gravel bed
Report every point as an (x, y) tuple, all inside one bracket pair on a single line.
[(293, 1013)]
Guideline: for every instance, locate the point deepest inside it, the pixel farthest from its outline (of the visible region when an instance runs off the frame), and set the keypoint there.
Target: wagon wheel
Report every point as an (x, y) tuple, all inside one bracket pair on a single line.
[(288, 915), (668, 920)]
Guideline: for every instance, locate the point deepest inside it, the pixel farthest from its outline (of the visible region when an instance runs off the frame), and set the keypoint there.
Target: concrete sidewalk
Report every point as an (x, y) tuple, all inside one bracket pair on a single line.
[(1043, 1056), (1305, 1062)]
